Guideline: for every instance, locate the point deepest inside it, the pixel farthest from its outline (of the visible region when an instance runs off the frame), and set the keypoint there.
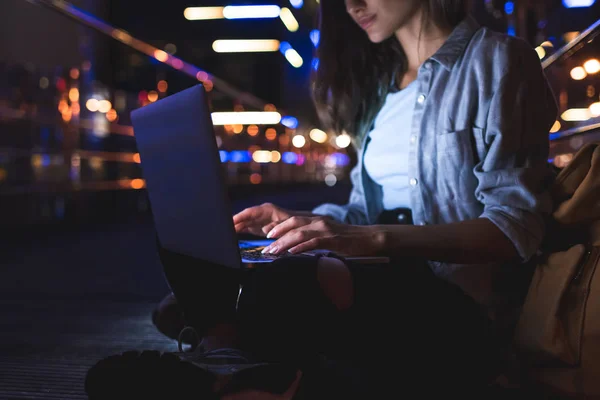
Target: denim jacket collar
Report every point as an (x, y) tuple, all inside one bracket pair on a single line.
[(456, 43)]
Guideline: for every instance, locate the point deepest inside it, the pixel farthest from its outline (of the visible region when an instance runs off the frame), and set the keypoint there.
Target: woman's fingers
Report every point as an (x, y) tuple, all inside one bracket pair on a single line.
[(247, 214), (267, 228), (291, 239), (287, 225)]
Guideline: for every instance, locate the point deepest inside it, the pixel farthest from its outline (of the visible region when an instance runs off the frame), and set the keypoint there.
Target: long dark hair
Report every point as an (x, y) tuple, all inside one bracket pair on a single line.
[(354, 75)]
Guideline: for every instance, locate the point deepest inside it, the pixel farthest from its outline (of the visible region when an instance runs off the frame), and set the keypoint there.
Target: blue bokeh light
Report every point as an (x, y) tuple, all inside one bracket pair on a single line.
[(578, 3), (509, 7), (240, 156), (297, 3), (315, 36), (284, 46), (224, 155), (289, 157), (289, 122)]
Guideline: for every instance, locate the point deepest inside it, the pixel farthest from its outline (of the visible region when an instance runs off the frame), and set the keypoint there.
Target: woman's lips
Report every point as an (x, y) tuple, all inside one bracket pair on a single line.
[(366, 22)]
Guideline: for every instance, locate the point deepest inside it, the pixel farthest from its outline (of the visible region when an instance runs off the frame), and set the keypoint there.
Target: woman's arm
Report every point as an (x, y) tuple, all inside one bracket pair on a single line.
[(467, 242)]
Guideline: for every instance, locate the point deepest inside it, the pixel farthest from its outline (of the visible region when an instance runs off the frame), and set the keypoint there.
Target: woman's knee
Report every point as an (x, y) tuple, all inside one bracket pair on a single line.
[(336, 281)]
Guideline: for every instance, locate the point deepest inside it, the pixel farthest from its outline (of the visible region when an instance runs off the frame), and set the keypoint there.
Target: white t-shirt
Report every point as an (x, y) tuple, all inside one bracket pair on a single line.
[(386, 157)]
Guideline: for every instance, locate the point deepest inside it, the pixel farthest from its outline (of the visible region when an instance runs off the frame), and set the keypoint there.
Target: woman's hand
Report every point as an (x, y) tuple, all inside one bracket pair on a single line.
[(259, 220), (299, 234)]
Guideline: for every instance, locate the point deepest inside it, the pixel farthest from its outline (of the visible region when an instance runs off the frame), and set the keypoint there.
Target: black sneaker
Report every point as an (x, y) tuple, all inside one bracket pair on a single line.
[(197, 374)]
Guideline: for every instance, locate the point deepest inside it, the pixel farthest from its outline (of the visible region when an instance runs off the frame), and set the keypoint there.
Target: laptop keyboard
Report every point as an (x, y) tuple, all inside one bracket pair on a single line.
[(254, 253)]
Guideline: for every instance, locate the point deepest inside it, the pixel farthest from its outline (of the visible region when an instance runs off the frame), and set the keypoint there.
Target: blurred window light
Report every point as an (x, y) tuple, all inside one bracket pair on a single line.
[(509, 7), (152, 96), (289, 20), (315, 36), (578, 3), (547, 43), (541, 52), (162, 86), (592, 66), (555, 127), (343, 140), (284, 46), (203, 13), (137, 183), (576, 114), (339, 159), (294, 58), (242, 45), (246, 118), (578, 73), (297, 3), (289, 122), (244, 12), (289, 157), (511, 31), (318, 135), (74, 94), (271, 134), (298, 141), (252, 130)]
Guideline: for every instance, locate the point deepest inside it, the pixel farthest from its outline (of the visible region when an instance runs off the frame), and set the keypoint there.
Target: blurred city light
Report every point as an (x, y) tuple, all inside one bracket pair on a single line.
[(243, 12), (509, 7), (343, 141), (289, 122), (92, 105), (239, 156), (298, 141), (315, 36), (576, 114), (289, 157), (289, 20), (246, 118), (203, 13), (223, 155), (293, 58), (555, 127), (104, 106), (330, 180), (243, 45), (541, 52), (261, 156), (578, 73), (578, 3), (592, 66), (318, 135), (595, 109), (161, 55), (297, 3), (315, 63)]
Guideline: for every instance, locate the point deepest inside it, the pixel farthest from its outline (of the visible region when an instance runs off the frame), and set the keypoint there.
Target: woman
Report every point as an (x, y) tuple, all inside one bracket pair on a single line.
[(451, 125)]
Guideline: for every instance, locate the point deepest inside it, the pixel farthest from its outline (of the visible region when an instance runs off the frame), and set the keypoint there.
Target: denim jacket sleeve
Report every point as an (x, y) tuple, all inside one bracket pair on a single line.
[(514, 176), (353, 212)]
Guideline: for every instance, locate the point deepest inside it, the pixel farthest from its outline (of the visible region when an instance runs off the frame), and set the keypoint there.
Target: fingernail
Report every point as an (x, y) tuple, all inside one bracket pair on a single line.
[(273, 250), (270, 234), (266, 249)]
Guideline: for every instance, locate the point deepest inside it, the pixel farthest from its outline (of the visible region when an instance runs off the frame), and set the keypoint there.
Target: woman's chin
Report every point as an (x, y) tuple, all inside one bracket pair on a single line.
[(377, 37)]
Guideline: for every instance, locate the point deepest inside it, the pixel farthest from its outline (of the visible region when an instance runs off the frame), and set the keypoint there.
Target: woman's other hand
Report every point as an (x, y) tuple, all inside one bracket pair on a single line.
[(298, 234), (259, 220)]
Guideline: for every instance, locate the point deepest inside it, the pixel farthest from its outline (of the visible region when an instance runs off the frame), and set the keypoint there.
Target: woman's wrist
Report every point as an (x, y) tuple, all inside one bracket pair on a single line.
[(379, 237)]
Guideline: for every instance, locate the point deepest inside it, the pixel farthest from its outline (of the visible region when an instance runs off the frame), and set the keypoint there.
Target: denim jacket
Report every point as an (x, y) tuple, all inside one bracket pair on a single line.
[(478, 147)]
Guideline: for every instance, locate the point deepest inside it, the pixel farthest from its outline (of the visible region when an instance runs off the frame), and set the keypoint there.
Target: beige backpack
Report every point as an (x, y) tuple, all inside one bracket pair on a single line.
[(558, 332)]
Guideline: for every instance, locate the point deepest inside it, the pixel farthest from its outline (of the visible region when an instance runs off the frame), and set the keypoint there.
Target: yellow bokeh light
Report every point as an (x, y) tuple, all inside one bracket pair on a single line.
[(595, 109), (262, 156), (74, 94), (592, 66), (555, 127), (541, 52), (92, 105), (576, 114), (298, 141), (152, 96), (275, 156), (578, 73), (343, 140), (161, 56), (238, 128), (104, 106), (318, 135), (136, 158)]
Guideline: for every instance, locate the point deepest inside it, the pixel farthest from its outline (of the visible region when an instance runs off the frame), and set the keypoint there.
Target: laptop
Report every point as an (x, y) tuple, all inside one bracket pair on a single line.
[(186, 183)]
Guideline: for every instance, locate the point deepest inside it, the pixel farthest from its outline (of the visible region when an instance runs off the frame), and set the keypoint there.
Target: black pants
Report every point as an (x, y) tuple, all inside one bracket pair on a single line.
[(406, 330)]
